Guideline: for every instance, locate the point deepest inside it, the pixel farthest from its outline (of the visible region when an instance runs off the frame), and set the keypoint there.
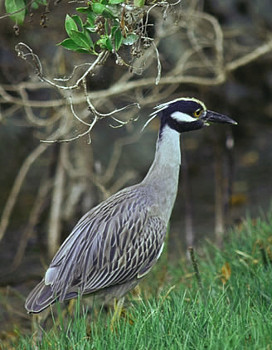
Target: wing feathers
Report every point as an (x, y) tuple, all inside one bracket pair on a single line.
[(39, 298), (114, 243)]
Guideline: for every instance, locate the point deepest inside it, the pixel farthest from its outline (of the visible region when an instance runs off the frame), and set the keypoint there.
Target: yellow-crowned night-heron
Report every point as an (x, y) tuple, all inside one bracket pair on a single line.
[(116, 243)]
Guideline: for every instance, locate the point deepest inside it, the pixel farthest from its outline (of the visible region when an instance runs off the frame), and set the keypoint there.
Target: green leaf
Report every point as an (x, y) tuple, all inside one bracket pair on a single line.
[(69, 44), (78, 21), (130, 39), (16, 5), (117, 37), (90, 23), (98, 8), (87, 36), (82, 9), (107, 26), (81, 39), (70, 25), (91, 29), (101, 9), (115, 2), (139, 3), (35, 4), (105, 43)]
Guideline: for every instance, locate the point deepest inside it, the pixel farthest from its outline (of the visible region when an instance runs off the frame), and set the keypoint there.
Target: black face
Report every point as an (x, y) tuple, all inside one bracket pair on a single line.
[(185, 126), (188, 114), (185, 106), (189, 107)]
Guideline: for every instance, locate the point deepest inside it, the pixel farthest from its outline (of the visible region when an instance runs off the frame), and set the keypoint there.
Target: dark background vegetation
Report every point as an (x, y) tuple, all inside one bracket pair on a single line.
[(226, 172)]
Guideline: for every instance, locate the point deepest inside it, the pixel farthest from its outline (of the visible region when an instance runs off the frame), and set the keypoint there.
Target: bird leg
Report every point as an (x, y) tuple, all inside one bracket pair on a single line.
[(38, 325), (136, 293), (118, 306), (71, 306)]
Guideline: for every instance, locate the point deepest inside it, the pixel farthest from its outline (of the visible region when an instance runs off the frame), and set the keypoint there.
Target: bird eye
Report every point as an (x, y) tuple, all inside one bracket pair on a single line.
[(197, 113)]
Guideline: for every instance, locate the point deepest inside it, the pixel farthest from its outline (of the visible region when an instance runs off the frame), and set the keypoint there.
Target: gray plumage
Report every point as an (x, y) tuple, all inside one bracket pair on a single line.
[(113, 244), (117, 243)]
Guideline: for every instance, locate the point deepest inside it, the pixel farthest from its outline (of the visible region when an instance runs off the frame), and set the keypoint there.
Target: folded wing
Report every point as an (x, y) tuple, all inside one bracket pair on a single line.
[(115, 243)]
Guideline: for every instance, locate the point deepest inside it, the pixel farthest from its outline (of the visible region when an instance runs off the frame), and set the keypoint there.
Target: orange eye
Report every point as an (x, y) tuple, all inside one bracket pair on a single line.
[(197, 113)]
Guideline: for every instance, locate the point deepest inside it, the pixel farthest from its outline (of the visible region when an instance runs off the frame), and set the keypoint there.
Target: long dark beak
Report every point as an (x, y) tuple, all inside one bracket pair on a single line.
[(214, 117)]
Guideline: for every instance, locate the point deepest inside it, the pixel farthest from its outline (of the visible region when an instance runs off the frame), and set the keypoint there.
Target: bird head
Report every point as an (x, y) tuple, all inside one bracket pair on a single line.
[(186, 114)]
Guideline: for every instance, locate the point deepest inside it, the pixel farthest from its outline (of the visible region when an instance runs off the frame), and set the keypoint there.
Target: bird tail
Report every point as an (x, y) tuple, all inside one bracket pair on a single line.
[(40, 298)]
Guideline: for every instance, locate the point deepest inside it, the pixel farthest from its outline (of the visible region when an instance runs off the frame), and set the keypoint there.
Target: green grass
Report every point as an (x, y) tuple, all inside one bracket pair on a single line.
[(226, 312)]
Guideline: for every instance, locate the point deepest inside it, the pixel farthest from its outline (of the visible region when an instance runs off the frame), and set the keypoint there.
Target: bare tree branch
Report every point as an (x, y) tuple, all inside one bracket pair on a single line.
[(201, 62), (27, 54), (54, 229), (17, 185)]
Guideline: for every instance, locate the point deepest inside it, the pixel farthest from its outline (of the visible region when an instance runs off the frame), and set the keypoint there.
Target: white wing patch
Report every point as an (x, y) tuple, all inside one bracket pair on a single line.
[(50, 275)]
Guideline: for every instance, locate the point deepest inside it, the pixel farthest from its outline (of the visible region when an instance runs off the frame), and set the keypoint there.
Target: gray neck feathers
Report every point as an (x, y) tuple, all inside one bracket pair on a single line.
[(162, 177)]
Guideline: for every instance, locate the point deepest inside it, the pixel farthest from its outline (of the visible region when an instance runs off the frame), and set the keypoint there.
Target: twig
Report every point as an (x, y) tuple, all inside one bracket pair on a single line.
[(122, 180), (248, 58), (20, 47), (33, 219), (158, 78), (8, 14), (195, 267), (9, 112), (170, 79), (33, 120), (18, 182), (54, 229), (13, 195), (75, 137), (109, 114), (71, 76), (117, 151), (74, 113)]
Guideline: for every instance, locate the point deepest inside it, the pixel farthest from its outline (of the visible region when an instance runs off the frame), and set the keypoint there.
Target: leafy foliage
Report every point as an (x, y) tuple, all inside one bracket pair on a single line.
[(101, 25), (105, 27), (18, 8)]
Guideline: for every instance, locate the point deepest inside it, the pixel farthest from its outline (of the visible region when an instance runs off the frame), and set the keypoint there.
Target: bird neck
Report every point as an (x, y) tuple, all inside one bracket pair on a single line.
[(163, 174)]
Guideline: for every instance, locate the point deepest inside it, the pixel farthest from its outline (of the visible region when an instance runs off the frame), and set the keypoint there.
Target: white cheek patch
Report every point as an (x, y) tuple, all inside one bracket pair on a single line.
[(182, 117)]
